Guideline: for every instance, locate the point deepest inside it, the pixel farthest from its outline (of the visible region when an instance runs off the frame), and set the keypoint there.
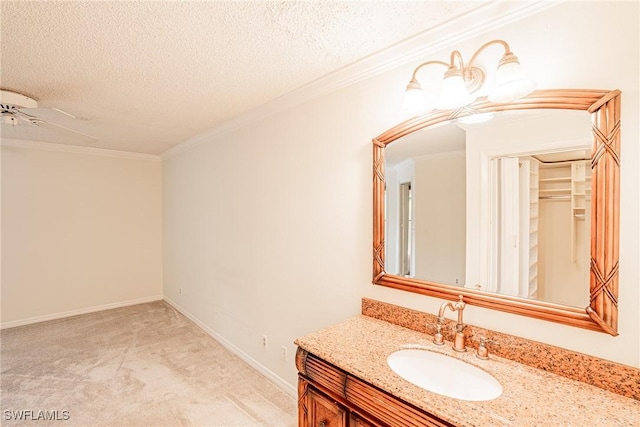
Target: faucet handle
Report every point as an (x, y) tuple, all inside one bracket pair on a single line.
[(438, 338), (482, 351)]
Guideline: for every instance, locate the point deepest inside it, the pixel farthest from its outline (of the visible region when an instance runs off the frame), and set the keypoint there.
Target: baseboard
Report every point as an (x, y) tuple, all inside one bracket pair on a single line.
[(37, 319), (277, 380)]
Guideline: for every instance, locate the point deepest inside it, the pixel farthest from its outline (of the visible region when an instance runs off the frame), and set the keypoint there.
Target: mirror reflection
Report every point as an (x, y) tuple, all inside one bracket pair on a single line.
[(501, 206)]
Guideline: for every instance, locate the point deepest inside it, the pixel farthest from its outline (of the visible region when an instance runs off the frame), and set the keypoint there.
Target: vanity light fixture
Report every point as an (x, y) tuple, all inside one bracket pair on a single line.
[(460, 82)]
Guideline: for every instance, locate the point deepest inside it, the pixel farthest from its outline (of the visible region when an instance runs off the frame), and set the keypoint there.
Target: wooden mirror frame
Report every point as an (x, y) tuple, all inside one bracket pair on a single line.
[(602, 312)]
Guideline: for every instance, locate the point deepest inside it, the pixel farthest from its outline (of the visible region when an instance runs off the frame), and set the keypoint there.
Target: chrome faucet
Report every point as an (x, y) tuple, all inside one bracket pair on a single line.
[(458, 341)]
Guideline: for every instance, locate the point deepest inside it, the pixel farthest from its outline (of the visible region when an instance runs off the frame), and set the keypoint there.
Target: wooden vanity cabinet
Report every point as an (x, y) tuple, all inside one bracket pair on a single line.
[(331, 397), (317, 409), (356, 421), (323, 412)]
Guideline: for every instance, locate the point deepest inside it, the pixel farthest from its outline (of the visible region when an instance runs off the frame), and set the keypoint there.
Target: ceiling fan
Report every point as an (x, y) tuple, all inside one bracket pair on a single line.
[(17, 109)]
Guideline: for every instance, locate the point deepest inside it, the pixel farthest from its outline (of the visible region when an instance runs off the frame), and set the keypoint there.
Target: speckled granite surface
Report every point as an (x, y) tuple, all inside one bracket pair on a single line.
[(530, 396), (620, 379)]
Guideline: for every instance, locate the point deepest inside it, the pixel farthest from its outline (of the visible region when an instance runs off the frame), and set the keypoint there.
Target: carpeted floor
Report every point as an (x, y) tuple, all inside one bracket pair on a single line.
[(143, 365)]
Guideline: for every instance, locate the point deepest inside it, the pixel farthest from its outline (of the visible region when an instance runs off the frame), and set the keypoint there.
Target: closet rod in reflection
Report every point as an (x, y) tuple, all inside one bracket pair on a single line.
[(567, 197)]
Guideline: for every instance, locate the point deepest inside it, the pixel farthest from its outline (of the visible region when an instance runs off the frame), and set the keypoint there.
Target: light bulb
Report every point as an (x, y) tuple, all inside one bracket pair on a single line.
[(511, 83), (454, 91), (414, 103)]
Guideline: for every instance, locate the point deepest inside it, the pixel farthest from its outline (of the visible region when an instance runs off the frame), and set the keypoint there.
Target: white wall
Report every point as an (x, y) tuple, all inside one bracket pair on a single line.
[(268, 229), (80, 231)]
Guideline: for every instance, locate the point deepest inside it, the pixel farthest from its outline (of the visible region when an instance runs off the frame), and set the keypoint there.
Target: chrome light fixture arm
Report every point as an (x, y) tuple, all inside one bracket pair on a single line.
[(414, 81), (460, 81), (505, 45)]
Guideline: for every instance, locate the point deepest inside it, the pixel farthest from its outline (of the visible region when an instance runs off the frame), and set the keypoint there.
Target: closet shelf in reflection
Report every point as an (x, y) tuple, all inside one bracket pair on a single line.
[(561, 179), (555, 190)]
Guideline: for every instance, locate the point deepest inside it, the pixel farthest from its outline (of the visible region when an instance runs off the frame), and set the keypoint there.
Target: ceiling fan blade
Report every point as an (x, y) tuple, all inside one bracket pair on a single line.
[(45, 124), (46, 113), (23, 116)]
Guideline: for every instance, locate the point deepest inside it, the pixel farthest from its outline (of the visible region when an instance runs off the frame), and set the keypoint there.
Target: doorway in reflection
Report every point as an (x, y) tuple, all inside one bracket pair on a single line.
[(406, 229), (540, 217)]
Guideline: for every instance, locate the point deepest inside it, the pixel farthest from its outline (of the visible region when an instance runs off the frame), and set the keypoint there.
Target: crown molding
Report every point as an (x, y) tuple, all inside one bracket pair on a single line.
[(64, 148), (472, 24)]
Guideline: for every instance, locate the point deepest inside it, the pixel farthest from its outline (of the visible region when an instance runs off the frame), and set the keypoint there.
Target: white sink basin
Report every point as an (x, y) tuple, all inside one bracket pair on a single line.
[(444, 375)]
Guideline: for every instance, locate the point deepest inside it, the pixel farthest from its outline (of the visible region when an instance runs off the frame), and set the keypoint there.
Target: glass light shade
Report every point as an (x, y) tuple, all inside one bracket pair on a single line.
[(414, 102), (454, 92), (511, 83)]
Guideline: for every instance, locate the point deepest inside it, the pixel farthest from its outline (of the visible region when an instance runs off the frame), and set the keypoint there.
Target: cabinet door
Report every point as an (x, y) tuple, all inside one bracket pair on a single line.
[(356, 421), (324, 412)]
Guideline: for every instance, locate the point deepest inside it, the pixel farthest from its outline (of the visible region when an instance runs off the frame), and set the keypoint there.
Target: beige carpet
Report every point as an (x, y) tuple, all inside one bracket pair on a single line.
[(144, 365)]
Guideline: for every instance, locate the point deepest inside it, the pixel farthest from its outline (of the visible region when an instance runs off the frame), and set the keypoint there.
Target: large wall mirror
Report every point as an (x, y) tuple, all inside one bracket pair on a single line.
[(517, 213)]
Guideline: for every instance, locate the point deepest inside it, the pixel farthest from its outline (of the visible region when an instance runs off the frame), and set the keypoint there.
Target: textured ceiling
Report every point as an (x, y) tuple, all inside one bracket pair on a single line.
[(144, 76)]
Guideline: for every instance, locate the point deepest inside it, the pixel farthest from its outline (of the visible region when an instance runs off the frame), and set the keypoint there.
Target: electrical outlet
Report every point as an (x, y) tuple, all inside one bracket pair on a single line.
[(283, 353), (180, 291), (265, 342)]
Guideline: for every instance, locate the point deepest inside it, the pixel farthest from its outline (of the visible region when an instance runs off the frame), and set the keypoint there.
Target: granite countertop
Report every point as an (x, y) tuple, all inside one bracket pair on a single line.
[(530, 396)]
